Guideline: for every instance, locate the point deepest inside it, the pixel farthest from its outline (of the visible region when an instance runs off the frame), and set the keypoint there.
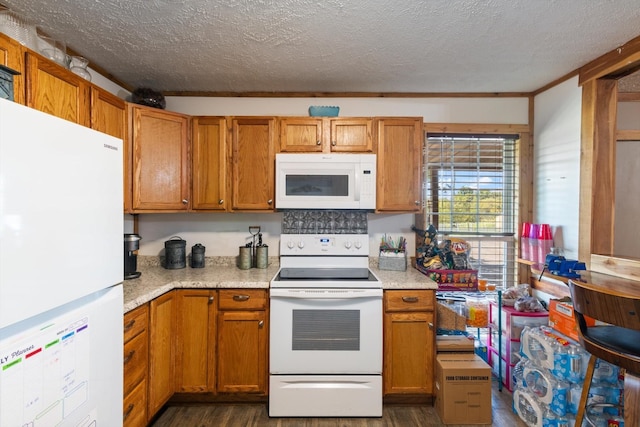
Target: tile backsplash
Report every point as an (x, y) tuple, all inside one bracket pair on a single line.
[(324, 222)]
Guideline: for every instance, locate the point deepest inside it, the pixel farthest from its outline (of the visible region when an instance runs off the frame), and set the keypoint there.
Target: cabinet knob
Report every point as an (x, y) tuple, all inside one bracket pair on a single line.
[(221, 201), (269, 201), (261, 324), (417, 202), (211, 299), (241, 297), (430, 326), (410, 299), (334, 143), (318, 142), (185, 201)]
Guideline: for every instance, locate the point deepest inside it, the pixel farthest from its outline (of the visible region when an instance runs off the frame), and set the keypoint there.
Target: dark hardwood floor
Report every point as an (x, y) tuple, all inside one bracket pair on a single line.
[(251, 414)]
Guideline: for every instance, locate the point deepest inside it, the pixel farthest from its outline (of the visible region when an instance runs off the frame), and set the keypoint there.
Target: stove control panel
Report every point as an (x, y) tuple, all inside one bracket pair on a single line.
[(324, 244)]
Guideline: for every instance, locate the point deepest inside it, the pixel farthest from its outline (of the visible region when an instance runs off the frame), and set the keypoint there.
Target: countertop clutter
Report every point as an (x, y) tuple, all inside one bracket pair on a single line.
[(222, 272)]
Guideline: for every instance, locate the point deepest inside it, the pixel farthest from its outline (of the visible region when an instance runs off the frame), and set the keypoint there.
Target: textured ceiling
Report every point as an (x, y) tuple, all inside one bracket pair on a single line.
[(337, 45)]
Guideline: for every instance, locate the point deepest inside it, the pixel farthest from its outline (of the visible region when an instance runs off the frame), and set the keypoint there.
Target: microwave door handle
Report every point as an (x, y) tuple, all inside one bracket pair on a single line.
[(357, 185)]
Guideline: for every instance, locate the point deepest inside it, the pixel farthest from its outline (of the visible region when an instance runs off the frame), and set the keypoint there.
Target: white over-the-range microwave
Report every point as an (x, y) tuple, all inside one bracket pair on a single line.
[(325, 181)]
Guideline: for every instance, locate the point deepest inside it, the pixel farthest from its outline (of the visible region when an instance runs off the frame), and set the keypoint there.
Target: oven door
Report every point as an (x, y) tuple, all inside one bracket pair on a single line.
[(326, 331)]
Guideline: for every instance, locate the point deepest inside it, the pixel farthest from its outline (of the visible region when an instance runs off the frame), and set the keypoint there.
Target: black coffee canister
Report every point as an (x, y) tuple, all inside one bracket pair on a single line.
[(175, 253), (197, 256)]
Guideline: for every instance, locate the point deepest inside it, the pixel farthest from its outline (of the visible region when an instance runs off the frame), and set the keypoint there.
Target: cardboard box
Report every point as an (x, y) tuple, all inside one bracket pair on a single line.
[(454, 344), (562, 320), (463, 389)]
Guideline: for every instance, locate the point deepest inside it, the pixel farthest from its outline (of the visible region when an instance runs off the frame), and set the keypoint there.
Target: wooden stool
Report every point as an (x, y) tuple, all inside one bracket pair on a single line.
[(617, 342)]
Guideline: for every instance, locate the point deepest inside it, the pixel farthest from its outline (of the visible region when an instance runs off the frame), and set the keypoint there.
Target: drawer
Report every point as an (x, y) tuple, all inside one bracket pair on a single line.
[(134, 407), (409, 300), (242, 299), (135, 361), (135, 321)]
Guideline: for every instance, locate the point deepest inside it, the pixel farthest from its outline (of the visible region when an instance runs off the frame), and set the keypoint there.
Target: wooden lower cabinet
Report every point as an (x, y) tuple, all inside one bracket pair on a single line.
[(135, 359), (242, 341), (195, 340), (162, 312), (409, 343)]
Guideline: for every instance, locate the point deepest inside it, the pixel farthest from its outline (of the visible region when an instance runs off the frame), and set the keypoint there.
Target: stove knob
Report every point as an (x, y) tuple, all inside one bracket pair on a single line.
[(358, 244), (347, 245), (290, 244), (301, 244)]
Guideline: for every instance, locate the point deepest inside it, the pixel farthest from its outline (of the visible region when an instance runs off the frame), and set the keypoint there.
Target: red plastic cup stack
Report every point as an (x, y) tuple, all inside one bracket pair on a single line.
[(524, 241), (545, 242), (533, 242)]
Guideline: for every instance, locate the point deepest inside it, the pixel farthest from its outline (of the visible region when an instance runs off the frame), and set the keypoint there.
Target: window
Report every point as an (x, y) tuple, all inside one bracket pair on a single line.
[(471, 193)]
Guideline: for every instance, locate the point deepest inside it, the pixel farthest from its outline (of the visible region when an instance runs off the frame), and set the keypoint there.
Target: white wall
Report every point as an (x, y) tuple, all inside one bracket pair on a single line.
[(223, 233), (556, 150), (434, 110)]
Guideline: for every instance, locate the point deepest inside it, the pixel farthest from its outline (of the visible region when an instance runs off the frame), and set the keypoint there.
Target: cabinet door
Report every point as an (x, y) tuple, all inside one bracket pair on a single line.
[(209, 167), (301, 135), (12, 56), (195, 340), (109, 115), (408, 353), (55, 90), (351, 135), (160, 168), (161, 356), (399, 165), (253, 170), (242, 352)]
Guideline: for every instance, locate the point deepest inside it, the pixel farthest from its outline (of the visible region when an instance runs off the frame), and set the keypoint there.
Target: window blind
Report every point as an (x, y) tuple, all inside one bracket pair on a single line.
[(471, 193)]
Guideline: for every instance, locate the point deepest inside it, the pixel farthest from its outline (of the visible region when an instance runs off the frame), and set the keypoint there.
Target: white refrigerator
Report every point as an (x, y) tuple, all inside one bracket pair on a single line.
[(61, 272)]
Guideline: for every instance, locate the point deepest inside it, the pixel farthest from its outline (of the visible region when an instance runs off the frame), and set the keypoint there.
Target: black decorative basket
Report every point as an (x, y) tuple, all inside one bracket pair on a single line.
[(148, 97)]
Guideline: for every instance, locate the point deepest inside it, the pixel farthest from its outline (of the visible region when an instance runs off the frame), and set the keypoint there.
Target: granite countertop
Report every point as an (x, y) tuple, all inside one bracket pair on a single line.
[(222, 272)]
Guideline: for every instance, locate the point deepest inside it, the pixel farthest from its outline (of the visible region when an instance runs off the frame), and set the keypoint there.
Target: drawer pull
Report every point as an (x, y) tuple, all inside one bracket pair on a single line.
[(128, 411), (410, 299), (129, 324), (128, 357), (241, 297)]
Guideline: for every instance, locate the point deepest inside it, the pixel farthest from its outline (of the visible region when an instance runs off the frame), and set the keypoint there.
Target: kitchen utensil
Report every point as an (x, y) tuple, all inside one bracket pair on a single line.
[(175, 253), (197, 256), (254, 230)]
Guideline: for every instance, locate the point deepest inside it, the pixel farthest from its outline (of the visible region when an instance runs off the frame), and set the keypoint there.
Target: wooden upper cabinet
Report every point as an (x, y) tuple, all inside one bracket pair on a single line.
[(209, 164), (55, 90), (351, 135), (301, 134), (253, 162), (109, 115), (160, 159), (12, 56), (399, 184)]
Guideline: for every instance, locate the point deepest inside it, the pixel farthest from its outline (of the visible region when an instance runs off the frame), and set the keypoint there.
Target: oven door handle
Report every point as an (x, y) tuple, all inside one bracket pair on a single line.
[(326, 294)]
